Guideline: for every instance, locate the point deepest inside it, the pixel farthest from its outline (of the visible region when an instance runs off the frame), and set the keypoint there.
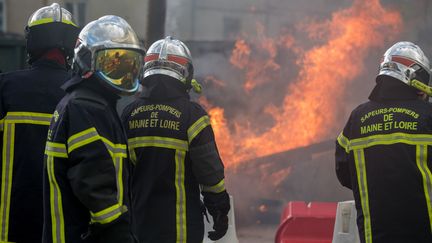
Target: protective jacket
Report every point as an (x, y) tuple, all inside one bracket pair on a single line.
[(172, 145), (86, 174), (27, 100), (384, 156)]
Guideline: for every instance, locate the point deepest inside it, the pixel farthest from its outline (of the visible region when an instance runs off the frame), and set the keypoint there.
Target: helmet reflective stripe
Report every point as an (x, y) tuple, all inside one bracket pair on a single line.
[(172, 58), (50, 20), (402, 60)]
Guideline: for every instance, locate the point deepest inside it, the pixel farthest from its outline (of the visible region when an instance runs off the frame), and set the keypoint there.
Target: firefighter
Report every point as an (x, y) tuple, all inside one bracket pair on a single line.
[(27, 100), (384, 152), (87, 169), (172, 145)]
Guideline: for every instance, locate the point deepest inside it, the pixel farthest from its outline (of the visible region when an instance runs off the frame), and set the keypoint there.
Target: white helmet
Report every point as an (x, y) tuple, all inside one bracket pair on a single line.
[(406, 62), (109, 48), (169, 57)]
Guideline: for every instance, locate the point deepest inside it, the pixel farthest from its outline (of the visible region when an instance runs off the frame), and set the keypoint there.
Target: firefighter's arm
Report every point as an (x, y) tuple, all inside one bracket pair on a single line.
[(342, 155), (209, 171), (94, 182), (208, 168), (207, 165), (97, 181), (342, 169)]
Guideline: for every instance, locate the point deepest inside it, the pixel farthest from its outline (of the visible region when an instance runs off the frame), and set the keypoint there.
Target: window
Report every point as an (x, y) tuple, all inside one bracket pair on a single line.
[(231, 27), (2, 15), (78, 10)]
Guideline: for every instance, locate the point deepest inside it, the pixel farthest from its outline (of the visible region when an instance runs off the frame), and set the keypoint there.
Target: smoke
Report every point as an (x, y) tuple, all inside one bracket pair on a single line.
[(277, 93), (275, 90), (174, 10)]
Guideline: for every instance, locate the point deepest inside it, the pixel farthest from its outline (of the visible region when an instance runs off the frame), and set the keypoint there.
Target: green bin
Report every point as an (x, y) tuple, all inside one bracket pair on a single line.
[(12, 52)]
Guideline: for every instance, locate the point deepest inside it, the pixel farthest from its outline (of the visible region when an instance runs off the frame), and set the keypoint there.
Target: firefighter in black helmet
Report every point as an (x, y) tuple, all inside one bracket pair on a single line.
[(87, 169), (384, 152), (173, 147), (27, 101)]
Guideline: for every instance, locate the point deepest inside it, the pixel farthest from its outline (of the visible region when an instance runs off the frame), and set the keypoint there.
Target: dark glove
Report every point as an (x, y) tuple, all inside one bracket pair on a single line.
[(218, 205), (117, 231)]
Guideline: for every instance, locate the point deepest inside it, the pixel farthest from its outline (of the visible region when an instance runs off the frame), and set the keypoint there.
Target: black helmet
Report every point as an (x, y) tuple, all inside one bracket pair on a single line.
[(50, 27)]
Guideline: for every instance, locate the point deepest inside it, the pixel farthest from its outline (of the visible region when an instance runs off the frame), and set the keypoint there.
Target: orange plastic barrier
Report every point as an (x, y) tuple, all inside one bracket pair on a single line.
[(307, 223)]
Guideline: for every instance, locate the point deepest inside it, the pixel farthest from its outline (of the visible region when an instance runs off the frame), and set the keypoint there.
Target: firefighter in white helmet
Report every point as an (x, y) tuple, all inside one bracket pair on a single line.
[(173, 147), (384, 153), (87, 169)]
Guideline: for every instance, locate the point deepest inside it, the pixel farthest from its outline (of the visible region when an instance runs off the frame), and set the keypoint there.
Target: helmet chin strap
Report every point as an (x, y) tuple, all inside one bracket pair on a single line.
[(421, 86)]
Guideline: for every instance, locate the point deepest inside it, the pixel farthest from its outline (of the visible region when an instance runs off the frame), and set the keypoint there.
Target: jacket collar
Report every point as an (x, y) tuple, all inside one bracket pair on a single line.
[(48, 63), (162, 87), (90, 88), (391, 89)]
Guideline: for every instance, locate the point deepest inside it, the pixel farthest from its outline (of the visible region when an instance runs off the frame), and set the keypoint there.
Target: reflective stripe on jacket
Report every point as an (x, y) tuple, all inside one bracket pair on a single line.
[(172, 145), (384, 156), (27, 101), (86, 174)]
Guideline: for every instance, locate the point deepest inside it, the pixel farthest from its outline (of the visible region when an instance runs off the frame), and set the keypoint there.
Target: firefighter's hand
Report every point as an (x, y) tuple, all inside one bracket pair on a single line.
[(220, 226), (218, 205)]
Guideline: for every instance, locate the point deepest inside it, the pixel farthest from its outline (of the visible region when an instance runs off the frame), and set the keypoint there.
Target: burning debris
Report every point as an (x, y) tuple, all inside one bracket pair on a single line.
[(284, 97), (312, 98)]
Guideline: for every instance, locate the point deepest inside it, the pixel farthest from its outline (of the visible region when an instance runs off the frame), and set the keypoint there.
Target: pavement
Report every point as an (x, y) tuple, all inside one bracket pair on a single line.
[(257, 234)]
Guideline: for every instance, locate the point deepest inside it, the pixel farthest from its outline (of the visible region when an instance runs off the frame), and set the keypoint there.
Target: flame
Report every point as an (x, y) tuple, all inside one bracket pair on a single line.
[(309, 109)]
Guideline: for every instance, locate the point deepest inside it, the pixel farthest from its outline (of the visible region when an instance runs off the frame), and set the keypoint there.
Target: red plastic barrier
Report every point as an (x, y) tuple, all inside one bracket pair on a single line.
[(307, 223)]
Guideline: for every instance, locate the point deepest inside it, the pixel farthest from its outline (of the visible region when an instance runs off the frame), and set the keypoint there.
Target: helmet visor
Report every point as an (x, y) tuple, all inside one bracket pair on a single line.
[(119, 67)]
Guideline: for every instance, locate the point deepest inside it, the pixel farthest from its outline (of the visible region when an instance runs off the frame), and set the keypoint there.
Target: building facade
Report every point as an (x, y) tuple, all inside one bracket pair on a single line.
[(207, 20), (15, 13)]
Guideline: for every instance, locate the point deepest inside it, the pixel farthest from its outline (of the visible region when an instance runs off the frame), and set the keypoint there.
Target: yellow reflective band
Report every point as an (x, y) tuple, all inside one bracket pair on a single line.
[(6, 182), (56, 150), (82, 138), (161, 142), (7, 125), (197, 127), (28, 118), (118, 165), (50, 20), (56, 205), (387, 139), (343, 142), (117, 152), (219, 187), (115, 149), (421, 160), (364, 194), (109, 214), (180, 197), (41, 21), (90, 135)]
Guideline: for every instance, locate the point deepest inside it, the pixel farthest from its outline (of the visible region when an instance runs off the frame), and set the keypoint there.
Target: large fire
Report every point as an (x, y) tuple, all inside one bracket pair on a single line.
[(309, 108)]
